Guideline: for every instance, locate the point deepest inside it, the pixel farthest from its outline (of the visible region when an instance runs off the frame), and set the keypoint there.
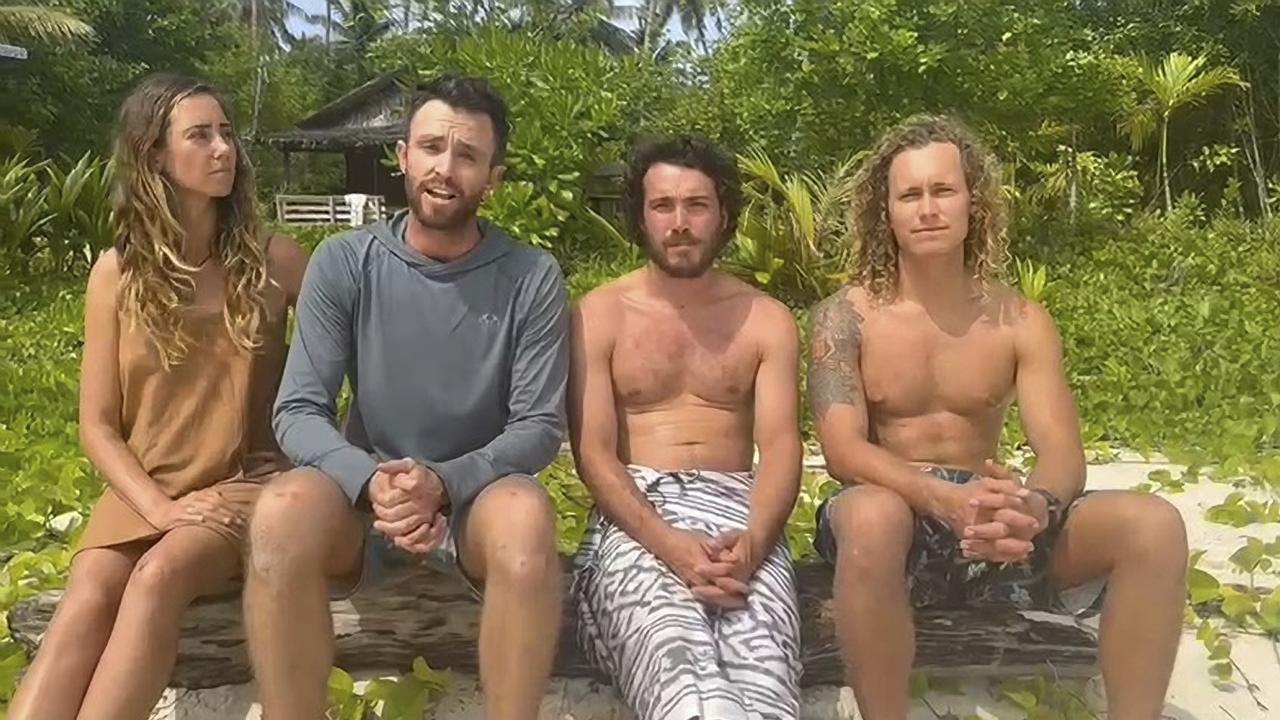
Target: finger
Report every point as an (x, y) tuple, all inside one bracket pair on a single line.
[(400, 527), (1014, 548), (714, 569), (726, 539), (716, 597), (393, 467), (396, 513), (987, 531), (733, 586), (1001, 551), (434, 537), (1018, 523), (389, 498), (993, 500), (999, 471), (407, 483), (1008, 487), (422, 540)]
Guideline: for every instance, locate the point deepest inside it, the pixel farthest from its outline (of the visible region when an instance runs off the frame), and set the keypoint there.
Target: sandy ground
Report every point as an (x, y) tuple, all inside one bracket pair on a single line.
[(1192, 695)]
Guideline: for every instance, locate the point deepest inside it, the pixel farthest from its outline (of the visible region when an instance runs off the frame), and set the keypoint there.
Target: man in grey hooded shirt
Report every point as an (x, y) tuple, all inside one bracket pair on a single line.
[(453, 338)]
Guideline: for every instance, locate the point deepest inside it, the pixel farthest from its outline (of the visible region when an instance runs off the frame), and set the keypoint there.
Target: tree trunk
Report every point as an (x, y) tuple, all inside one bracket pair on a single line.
[(328, 26), (1253, 154), (1164, 162), (1073, 178)]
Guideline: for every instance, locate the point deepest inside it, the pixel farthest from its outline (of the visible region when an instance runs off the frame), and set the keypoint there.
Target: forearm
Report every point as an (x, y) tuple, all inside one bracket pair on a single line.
[(618, 497), (1062, 474), (524, 447), (124, 474), (309, 437), (773, 496), (859, 461)]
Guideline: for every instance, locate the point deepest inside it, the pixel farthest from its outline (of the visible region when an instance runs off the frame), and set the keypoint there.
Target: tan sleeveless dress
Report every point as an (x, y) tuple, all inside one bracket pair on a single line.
[(203, 422)]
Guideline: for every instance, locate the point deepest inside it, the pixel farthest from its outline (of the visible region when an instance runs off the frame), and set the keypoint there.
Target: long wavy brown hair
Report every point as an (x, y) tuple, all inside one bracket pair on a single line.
[(157, 285), (986, 244)]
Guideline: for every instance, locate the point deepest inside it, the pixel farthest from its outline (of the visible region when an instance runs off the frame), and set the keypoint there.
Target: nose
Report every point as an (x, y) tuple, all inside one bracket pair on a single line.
[(928, 205), (221, 146), (681, 220)]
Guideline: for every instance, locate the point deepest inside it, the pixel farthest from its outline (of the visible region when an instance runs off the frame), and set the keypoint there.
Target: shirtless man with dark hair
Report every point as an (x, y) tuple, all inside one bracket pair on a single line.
[(684, 586), (912, 372)]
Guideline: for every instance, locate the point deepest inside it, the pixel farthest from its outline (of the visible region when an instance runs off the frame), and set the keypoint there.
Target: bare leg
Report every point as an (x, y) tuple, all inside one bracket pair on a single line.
[(873, 529), (1141, 543), (510, 543), (186, 563), (55, 684), (303, 534)]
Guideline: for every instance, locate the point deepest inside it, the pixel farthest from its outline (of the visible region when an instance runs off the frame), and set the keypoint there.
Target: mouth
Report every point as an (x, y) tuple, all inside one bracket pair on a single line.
[(439, 194), (221, 171), (928, 230)]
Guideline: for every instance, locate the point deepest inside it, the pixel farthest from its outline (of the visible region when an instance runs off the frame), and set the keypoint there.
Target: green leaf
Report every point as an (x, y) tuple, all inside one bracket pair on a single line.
[(1203, 586), (1022, 698), (1248, 557), (1238, 606), (919, 685), (1269, 611)]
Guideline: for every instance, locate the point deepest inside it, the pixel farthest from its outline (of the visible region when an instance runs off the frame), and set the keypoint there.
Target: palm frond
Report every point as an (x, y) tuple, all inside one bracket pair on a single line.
[(41, 24)]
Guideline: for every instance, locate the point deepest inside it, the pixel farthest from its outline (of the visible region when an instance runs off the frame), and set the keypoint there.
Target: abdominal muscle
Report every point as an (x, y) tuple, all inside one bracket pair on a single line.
[(687, 436)]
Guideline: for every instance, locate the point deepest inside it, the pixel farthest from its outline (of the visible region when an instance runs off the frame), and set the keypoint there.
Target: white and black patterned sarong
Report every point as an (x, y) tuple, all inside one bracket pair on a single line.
[(671, 656)]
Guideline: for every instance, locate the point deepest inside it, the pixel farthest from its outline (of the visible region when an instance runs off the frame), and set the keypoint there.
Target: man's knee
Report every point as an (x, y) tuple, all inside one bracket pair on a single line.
[(514, 521), (1155, 531), (871, 518), (297, 522)]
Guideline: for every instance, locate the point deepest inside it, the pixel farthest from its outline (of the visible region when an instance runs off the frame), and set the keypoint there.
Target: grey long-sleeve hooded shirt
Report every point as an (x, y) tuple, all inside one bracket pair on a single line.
[(461, 365)]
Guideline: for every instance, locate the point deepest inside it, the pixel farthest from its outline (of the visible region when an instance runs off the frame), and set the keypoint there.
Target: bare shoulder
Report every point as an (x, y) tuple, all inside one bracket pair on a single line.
[(845, 309), (287, 263), (104, 276), (284, 252), (597, 315), (603, 301)]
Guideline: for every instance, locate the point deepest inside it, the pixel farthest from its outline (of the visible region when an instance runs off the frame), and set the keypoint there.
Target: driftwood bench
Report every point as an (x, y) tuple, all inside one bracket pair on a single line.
[(422, 612)]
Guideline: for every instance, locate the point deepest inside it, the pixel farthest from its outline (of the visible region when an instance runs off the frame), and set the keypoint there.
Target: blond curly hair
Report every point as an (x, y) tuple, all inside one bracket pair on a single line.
[(985, 245), (156, 283)]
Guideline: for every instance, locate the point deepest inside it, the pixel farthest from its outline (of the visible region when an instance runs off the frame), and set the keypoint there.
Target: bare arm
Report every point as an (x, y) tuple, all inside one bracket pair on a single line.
[(100, 396), (288, 265), (1048, 411), (839, 409), (777, 433), (593, 427)]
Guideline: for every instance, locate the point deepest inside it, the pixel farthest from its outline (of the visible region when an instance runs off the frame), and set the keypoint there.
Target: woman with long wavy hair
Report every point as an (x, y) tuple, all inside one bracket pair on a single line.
[(184, 345)]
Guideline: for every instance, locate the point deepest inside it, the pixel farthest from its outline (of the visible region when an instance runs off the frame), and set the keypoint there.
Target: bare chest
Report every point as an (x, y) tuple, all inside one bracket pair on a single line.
[(661, 357), (912, 368)]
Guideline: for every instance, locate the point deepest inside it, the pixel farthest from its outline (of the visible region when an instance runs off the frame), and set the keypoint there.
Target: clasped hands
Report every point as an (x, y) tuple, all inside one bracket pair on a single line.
[(408, 501), (716, 569), (995, 517)]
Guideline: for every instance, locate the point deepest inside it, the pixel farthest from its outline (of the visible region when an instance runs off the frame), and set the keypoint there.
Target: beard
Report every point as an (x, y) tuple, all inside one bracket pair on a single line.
[(462, 213), (685, 270)]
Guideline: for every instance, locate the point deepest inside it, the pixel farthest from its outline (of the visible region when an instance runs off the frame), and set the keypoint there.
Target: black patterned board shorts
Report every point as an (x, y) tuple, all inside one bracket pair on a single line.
[(939, 577)]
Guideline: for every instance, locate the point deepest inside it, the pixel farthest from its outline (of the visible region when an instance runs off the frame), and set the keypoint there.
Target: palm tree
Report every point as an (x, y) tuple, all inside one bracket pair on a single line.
[(692, 15), (271, 18), (1178, 81), (41, 24)]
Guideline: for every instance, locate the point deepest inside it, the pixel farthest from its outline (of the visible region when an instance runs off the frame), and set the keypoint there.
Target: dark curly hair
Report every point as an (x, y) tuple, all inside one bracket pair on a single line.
[(689, 151)]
